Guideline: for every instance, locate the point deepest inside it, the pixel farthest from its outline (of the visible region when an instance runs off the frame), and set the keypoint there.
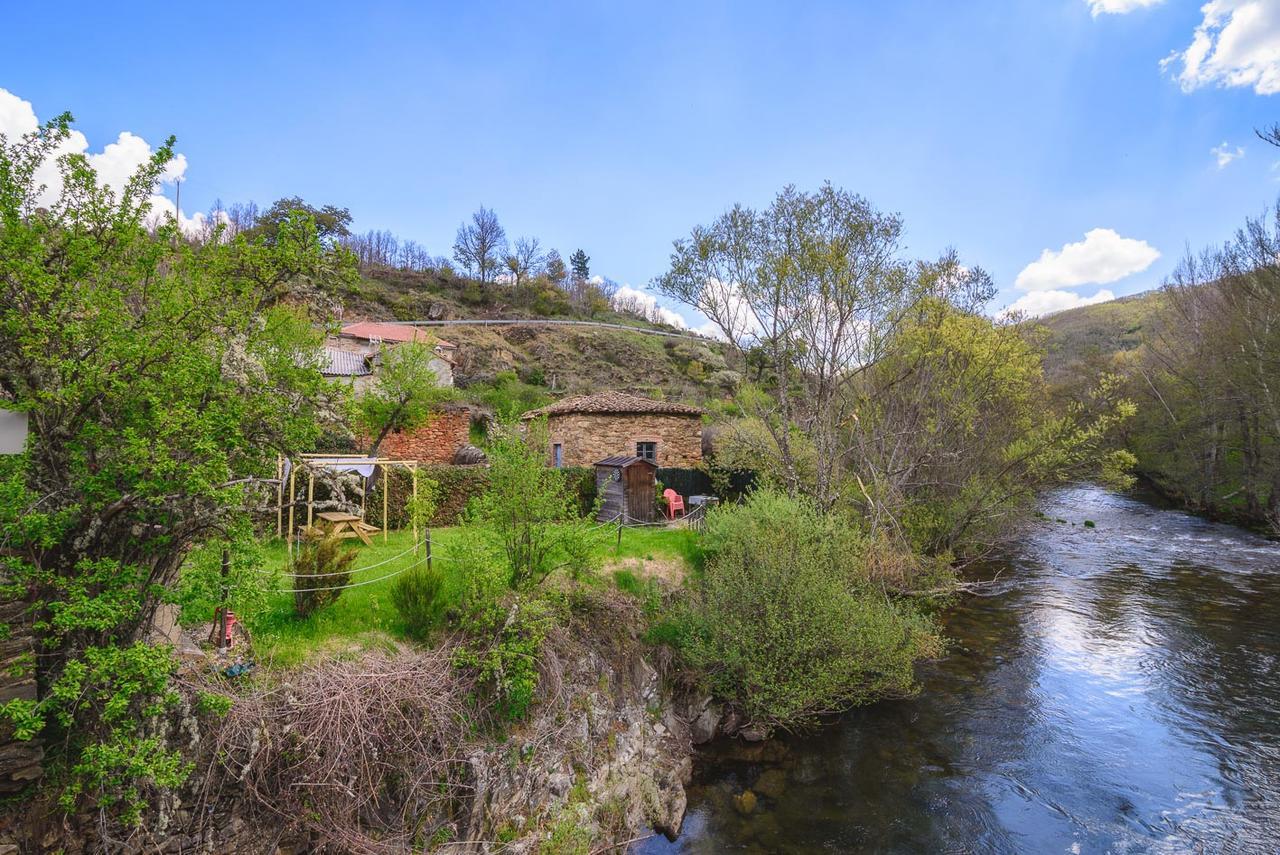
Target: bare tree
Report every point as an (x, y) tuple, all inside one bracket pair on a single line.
[(525, 261), (481, 245), (815, 284)]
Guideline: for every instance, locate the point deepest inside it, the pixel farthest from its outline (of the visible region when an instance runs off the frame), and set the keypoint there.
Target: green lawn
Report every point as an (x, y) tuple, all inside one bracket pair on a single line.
[(364, 616)]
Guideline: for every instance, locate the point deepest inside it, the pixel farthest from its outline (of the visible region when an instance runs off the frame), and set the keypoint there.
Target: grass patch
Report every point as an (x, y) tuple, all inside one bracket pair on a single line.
[(364, 617), (650, 543)]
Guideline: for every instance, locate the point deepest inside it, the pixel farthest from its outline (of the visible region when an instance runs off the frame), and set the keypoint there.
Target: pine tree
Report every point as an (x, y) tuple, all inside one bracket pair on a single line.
[(581, 263)]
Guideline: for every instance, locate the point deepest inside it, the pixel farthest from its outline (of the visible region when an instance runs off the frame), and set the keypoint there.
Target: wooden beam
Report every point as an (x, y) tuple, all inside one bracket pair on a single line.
[(311, 495), (279, 496), (386, 488), (293, 477)]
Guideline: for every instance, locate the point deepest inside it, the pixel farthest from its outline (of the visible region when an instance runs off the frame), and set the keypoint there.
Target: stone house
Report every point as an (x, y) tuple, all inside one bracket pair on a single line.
[(354, 355), (587, 428), (363, 342)]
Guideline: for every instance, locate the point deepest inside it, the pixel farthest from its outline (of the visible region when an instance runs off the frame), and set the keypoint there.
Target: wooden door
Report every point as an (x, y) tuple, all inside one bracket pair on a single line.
[(640, 487)]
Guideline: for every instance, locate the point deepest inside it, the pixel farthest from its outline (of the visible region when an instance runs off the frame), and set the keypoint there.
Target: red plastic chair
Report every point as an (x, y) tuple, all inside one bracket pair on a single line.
[(675, 502)]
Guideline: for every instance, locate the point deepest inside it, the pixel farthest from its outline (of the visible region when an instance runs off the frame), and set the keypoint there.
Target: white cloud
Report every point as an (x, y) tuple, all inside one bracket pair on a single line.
[(114, 164), (1118, 7), (1046, 302), (1103, 256), (1236, 44), (1224, 154), (643, 303)]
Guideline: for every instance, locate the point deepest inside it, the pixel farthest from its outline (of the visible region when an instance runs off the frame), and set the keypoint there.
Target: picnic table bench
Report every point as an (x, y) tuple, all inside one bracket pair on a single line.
[(347, 525)]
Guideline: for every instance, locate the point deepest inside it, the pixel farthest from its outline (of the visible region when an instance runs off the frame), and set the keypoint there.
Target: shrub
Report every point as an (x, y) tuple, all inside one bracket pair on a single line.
[(784, 622), (321, 571), (419, 596), (502, 631), (529, 510), (509, 396)]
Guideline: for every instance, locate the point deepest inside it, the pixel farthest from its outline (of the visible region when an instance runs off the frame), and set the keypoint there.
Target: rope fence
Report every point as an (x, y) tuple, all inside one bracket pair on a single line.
[(421, 561)]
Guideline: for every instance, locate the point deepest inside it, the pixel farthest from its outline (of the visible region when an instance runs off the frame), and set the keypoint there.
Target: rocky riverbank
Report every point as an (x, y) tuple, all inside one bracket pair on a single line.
[(383, 754)]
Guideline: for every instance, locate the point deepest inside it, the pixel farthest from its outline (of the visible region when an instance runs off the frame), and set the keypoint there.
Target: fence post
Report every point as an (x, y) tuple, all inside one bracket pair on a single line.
[(428, 550), (222, 609), (618, 551)]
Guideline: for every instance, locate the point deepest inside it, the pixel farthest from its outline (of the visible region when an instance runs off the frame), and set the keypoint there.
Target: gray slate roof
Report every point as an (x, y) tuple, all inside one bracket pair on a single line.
[(344, 363)]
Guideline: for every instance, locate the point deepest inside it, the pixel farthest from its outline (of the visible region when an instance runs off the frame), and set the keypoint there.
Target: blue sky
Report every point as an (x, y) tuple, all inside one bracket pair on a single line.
[(1002, 129)]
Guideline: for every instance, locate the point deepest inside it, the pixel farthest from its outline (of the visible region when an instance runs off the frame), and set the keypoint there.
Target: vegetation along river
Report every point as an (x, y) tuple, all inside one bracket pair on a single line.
[(1117, 692)]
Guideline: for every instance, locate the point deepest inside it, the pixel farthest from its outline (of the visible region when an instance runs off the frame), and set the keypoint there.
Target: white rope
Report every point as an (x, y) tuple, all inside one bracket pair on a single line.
[(391, 575), (340, 572)]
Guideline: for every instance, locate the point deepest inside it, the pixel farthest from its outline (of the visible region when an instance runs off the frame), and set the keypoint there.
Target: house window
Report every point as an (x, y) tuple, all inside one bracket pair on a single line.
[(647, 450), (557, 456)]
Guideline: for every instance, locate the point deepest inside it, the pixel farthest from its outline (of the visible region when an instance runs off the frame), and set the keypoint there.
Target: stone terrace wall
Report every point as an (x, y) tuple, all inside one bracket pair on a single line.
[(20, 762), (588, 437), (435, 442)]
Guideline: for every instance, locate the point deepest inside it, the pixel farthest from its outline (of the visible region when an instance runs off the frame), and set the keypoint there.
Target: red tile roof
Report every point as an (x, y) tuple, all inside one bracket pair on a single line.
[(369, 330), (617, 403)]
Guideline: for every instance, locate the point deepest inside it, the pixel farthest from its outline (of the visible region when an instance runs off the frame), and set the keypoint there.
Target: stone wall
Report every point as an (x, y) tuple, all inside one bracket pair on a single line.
[(20, 761), (434, 442), (588, 437)]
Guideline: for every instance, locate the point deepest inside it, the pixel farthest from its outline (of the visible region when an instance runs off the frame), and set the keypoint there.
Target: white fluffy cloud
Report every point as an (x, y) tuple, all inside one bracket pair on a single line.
[(1236, 44), (1118, 7), (1046, 302), (114, 164), (1103, 256), (644, 303), (1224, 154)]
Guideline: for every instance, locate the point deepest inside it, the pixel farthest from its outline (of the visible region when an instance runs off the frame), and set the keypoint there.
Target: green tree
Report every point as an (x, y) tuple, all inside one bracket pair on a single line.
[(161, 379), (331, 222), (581, 264), (531, 512), (554, 267), (403, 395)]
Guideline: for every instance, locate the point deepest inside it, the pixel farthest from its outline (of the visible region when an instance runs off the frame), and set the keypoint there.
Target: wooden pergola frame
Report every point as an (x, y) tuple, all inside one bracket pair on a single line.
[(384, 462)]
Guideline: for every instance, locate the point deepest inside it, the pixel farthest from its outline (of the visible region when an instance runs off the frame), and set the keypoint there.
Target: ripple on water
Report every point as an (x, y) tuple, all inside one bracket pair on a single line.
[(1117, 692)]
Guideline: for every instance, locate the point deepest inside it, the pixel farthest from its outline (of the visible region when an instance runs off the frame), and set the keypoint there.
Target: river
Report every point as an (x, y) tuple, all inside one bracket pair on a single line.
[(1118, 691)]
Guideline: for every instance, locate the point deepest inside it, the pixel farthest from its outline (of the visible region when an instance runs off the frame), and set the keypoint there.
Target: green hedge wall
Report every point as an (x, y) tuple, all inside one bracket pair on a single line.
[(458, 485)]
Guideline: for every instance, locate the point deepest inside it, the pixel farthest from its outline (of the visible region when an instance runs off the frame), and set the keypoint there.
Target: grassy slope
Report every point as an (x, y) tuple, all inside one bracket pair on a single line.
[(1090, 333), (364, 617), (570, 359)]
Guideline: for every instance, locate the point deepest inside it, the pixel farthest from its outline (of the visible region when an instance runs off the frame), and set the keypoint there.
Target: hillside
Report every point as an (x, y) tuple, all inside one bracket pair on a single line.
[(548, 361), (1093, 334)]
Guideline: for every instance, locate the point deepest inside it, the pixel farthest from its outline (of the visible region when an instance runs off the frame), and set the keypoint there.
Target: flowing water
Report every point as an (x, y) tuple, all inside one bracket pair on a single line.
[(1118, 692)]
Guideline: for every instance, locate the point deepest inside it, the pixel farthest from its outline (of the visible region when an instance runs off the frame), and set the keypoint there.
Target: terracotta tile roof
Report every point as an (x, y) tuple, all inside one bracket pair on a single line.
[(618, 403), (368, 330), (342, 363)]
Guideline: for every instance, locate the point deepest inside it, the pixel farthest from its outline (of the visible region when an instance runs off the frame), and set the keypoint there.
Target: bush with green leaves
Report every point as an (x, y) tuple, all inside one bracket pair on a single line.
[(508, 396), (535, 519), (320, 571), (784, 623), (502, 630), (420, 598), (201, 587)]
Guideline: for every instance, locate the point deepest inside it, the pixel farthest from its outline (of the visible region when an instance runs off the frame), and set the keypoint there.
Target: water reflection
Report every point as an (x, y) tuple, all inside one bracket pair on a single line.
[(1118, 694)]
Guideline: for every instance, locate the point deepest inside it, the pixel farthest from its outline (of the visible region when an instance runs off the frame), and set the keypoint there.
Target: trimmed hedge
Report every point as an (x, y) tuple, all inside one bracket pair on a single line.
[(458, 485)]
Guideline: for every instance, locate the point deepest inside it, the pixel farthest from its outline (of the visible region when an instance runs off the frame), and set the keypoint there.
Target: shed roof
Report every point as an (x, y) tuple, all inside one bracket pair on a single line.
[(343, 363), (616, 403), (622, 461)]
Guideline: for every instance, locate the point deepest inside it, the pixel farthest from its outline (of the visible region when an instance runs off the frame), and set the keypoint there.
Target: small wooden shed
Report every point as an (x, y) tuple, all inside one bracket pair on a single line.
[(627, 487)]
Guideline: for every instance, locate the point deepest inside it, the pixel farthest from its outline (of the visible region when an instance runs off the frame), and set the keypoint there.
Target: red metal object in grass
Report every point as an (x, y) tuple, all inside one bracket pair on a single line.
[(225, 619)]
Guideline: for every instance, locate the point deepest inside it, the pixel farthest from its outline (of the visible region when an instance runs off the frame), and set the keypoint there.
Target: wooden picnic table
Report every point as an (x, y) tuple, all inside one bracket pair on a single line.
[(347, 525)]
